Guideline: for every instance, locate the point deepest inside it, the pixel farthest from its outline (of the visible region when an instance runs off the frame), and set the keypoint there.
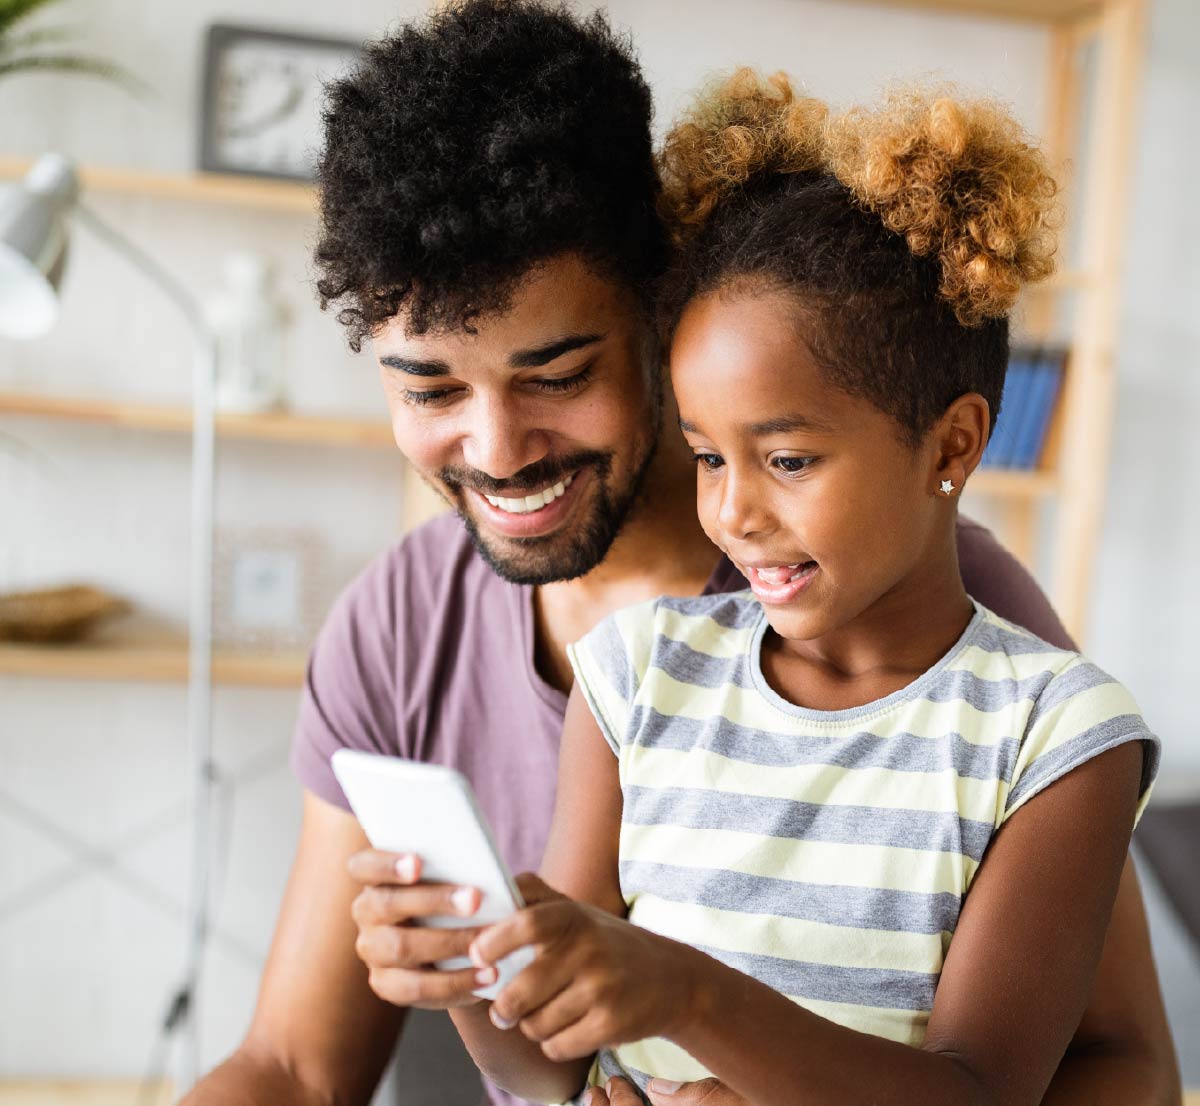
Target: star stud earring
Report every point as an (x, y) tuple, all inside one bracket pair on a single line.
[(947, 487)]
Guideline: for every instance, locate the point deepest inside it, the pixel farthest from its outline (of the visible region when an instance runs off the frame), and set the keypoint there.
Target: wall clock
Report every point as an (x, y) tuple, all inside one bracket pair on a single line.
[(261, 104)]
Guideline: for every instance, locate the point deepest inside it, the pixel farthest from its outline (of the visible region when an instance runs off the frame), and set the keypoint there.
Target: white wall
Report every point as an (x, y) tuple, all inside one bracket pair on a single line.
[(86, 962)]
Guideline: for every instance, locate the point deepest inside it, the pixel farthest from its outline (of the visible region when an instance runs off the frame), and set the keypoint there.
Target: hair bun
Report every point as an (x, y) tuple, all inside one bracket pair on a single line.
[(959, 179), (741, 127)]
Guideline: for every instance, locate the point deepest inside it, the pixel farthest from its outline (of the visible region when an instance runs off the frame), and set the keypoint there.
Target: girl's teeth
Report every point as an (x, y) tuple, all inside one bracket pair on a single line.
[(533, 502), (777, 575)]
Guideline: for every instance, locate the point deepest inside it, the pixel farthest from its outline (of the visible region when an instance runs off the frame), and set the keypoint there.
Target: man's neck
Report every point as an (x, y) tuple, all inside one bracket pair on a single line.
[(661, 550)]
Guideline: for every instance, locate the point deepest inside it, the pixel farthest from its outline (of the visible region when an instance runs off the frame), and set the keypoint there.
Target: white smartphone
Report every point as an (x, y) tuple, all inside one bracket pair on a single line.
[(431, 811)]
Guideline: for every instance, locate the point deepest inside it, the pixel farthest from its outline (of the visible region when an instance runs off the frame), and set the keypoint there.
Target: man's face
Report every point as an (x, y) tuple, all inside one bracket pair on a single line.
[(539, 426)]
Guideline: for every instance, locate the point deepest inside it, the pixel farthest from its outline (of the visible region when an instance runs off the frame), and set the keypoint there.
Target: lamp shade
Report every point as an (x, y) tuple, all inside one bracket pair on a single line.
[(33, 246)]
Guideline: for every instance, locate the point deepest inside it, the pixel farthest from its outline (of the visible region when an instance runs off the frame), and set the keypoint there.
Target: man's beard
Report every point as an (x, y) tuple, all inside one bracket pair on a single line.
[(565, 554)]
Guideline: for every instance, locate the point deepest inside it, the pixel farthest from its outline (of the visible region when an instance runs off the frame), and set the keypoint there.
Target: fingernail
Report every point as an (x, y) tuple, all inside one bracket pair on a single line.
[(406, 868), (485, 976), (463, 899), (476, 956), (588, 1095), (662, 1086), (498, 1021)]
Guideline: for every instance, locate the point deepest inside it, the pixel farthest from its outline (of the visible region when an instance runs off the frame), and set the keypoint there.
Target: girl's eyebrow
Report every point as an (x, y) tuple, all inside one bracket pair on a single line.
[(780, 425)]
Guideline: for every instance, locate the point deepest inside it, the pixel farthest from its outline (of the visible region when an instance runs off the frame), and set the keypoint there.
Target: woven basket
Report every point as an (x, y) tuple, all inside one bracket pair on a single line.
[(55, 614)]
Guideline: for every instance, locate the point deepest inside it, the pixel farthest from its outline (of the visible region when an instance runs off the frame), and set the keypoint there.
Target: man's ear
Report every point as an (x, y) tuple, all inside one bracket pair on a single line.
[(958, 441)]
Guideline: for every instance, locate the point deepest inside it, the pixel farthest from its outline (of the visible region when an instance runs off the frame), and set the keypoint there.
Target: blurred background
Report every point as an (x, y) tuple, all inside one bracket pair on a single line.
[(1096, 491)]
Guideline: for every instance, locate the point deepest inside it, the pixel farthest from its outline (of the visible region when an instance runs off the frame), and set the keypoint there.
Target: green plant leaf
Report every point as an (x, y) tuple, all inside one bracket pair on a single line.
[(13, 11), (66, 63)]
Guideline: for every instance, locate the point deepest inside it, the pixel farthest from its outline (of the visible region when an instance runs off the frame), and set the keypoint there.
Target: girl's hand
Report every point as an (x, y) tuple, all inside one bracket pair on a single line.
[(705, 1092), (597, 980)]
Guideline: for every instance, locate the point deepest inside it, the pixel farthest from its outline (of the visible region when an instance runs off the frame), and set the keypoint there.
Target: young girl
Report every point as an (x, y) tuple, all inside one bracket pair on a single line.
[(869, 833)]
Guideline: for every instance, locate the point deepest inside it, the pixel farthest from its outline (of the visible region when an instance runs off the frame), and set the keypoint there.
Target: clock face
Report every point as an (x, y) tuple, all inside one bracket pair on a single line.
[(265, 104)]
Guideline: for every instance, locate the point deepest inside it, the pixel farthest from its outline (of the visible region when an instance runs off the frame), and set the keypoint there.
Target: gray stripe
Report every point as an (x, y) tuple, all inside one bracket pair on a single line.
[(996, 639), (606, 648), (610, 1066), (733, 610), (851, 907), (1091, 743), (1083, 677), (901, 752), (686, 665), (887, 988), (788, 818)]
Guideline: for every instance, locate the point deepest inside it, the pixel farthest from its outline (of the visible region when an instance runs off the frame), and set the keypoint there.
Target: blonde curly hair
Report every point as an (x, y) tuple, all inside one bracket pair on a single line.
[(955, 176), (907, 229)]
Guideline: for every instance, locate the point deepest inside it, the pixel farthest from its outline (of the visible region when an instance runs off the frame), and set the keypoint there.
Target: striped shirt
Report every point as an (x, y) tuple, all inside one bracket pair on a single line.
[(825, 853)]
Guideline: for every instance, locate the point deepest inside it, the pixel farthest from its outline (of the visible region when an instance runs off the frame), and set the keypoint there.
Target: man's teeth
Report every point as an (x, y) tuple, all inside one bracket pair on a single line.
[(534, 502), (784, 575)]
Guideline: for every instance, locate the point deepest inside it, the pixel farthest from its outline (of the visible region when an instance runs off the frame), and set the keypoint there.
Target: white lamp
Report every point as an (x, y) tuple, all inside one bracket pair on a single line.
[(33, 250)]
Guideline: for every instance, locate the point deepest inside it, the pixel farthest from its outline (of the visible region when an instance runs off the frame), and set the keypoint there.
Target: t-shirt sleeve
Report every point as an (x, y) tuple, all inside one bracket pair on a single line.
[(994, 577), (1082, 713), (609, 663), (348, 699)]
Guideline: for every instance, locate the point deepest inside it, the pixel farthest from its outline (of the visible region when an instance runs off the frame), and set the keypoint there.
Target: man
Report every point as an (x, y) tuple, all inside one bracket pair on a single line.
[(488, 220)]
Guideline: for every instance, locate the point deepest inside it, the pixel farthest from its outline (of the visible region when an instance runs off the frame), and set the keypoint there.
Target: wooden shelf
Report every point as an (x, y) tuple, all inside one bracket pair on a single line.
[(279, 426), (1035, 11), (1013, 483), (209, 188), (141, 658)]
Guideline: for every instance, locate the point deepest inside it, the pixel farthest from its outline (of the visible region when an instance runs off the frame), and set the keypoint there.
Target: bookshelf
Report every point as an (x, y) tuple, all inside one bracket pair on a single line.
[(1058, 506)]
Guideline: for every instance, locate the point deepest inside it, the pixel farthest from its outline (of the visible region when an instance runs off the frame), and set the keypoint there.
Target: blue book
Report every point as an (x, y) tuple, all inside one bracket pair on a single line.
[(1000, 448), (1047, 379)]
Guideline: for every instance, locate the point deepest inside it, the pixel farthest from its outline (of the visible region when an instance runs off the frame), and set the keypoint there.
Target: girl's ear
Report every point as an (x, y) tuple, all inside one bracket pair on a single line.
[(959, 439)]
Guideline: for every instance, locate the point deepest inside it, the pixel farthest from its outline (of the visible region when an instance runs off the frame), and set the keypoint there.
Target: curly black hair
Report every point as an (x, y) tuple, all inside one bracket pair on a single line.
[(469, 147)]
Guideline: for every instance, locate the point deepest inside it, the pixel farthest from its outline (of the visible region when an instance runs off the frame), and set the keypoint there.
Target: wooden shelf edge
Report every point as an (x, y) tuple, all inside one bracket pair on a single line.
[(1013, 483), (278, 426), (231, 189), (145, 663), (1045, 12)]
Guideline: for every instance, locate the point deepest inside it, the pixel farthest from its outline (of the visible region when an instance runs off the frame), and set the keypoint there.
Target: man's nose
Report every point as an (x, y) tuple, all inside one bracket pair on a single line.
[(498, 442)]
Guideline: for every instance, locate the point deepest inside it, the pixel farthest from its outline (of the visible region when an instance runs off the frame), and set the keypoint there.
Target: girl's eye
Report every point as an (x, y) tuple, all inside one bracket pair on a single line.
[(710, 461), (793, 465)]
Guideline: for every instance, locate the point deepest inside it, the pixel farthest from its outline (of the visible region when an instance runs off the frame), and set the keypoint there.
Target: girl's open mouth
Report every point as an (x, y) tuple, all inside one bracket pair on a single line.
[(780, 584)]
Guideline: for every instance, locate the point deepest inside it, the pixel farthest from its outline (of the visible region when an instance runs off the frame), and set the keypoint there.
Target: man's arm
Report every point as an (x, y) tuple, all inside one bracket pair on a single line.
[(319, 1035)]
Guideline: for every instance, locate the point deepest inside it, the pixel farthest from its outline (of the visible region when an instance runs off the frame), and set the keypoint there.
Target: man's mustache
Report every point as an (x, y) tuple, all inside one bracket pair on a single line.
[(540, 474)]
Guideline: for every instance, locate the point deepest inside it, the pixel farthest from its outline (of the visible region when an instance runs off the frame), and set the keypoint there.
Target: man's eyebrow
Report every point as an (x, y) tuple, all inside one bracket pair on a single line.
[(551, 351), (781, 425), (416, 368)]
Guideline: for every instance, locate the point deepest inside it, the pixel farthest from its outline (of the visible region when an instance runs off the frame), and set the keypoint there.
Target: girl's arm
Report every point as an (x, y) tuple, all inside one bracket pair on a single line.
[(581, 863), (1014, 986)]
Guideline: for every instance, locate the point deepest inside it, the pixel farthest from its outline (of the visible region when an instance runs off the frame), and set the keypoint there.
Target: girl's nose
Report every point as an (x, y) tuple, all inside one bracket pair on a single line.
[(742, 512)]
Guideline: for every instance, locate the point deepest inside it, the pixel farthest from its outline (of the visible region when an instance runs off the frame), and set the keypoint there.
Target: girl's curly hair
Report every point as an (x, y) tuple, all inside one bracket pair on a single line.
[(469, 147), (906, 230)]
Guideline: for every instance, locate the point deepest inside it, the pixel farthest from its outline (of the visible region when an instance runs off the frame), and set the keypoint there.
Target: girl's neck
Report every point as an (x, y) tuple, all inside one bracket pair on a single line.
[(893, 642)]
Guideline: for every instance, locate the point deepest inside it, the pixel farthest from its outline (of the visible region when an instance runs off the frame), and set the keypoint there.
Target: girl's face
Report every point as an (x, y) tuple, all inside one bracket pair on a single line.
[(811, 492)]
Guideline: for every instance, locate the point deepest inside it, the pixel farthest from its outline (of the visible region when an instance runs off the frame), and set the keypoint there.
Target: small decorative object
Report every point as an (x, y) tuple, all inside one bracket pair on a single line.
[(261, 108), (248, 320), (270, 588), (47, 49), (56, 615)]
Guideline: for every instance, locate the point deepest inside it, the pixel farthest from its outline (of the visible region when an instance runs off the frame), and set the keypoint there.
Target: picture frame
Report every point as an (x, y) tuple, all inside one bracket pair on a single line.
[(271, 587), (260, 103)]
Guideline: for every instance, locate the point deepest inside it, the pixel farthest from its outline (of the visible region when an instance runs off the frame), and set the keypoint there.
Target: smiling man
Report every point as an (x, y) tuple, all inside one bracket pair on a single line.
[(488, 222)]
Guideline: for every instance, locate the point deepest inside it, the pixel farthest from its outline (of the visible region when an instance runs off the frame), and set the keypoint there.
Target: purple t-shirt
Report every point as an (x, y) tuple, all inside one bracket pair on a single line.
[(428, 654)]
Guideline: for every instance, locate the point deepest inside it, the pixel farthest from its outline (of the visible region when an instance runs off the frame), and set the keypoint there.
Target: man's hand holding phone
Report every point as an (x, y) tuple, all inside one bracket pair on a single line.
[(396, 941)]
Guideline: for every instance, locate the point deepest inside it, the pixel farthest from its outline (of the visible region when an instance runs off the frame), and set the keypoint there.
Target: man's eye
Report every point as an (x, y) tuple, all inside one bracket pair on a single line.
[(793, 465), (422, 398), (710, 461), (559, 384)]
